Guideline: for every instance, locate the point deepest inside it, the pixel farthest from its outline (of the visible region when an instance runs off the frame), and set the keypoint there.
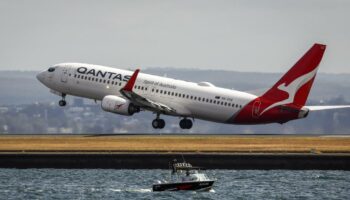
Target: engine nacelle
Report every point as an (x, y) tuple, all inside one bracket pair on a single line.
[(118, 105)]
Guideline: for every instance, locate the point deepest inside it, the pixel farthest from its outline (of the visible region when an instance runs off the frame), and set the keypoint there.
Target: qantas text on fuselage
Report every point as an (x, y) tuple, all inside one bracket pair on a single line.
[(125, 92)]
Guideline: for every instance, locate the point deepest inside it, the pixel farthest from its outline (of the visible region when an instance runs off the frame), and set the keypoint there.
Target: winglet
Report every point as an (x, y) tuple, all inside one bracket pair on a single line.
[(130, 84)]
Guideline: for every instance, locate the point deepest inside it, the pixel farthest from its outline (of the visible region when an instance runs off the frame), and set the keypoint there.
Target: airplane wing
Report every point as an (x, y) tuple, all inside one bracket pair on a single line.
[(316, 108), (143, 102)]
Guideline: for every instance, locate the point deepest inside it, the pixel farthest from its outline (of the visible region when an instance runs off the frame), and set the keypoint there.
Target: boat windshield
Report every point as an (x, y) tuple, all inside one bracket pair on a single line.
[(199, 177)]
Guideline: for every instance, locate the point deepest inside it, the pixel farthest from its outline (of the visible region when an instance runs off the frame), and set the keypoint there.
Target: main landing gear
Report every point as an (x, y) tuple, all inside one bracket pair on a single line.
[(158, 123), (63, 102), (185, 123)]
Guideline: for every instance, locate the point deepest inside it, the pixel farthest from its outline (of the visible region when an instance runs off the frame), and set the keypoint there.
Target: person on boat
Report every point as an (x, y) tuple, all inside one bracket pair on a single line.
[(173, 166), (187, 177)]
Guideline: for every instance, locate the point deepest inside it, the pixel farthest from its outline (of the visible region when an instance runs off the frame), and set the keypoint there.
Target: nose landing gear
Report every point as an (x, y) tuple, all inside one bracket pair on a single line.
[(158, 123), (185, 123), (63, 102)]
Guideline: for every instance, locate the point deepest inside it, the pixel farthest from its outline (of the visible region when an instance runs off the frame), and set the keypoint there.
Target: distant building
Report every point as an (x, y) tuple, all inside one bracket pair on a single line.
[(4, 109), (5, 128), (52, 130)]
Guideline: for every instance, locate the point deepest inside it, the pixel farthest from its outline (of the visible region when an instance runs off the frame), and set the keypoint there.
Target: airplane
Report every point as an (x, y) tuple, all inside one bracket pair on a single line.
[(126, 93)]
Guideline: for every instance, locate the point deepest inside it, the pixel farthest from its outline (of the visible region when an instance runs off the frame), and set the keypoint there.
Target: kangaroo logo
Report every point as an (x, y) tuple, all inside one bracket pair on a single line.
[(116, 107), (292, 89)]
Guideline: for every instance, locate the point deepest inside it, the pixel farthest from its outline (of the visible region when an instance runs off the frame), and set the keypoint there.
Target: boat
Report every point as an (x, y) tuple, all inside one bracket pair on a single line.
[(184, 176)]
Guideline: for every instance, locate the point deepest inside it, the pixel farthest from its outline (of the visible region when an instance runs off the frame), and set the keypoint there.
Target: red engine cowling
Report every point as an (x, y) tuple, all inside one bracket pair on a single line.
[(118, 105)]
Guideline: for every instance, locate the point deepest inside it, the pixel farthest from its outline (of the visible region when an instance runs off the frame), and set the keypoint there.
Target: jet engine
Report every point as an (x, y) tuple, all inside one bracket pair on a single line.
[(119, 105)]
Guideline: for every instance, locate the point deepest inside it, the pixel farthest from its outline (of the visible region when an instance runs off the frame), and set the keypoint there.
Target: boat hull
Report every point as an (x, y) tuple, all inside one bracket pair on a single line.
[(195, 185)]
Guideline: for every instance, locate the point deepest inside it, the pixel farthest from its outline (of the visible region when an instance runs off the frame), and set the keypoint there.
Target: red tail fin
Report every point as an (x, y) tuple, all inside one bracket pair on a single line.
[(294, 86)]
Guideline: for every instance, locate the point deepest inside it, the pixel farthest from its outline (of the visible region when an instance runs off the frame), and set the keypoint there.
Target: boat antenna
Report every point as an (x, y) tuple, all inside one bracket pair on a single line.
[(183, 158)]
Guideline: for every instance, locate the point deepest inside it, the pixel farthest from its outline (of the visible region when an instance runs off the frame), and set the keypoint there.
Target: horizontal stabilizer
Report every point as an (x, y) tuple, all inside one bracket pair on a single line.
[(315, 108)]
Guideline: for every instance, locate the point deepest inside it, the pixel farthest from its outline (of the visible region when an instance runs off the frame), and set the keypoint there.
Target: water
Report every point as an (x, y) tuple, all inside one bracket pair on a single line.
[(136, 184)]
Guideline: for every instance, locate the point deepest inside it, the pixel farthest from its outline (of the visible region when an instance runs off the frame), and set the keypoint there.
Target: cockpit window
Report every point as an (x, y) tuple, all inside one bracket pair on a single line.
[(51, 69)]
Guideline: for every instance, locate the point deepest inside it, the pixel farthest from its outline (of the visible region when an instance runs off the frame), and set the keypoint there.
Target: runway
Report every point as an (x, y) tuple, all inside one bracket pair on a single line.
[(320, 152), (177, 143)]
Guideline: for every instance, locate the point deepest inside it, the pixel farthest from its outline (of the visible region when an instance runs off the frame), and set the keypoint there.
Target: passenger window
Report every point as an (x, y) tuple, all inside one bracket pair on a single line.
[(104, 81)]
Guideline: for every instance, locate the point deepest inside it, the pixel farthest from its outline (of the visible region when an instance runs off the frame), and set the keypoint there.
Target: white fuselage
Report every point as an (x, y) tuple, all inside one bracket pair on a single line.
[(198, 100)]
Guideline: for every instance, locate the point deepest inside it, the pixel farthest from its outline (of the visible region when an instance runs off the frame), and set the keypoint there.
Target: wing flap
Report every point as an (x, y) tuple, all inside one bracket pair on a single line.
[(147, 103), (141, 101)]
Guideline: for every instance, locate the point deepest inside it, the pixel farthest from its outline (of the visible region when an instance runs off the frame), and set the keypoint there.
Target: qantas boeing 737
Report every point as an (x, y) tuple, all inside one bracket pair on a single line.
[(126, 93)]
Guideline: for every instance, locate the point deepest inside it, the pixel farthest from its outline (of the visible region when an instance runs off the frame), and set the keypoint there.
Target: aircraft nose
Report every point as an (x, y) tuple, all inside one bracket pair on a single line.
[(41, 77)]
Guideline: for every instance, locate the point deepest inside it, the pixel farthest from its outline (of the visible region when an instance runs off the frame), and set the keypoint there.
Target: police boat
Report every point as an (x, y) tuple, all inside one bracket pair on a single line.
[(185, 177)]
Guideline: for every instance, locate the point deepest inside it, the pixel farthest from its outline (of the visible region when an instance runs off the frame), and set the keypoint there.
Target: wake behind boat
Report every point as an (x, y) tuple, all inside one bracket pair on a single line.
[(185, 177)]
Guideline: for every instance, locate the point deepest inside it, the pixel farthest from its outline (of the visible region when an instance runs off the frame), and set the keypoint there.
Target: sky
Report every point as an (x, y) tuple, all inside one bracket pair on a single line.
[(237, 35)]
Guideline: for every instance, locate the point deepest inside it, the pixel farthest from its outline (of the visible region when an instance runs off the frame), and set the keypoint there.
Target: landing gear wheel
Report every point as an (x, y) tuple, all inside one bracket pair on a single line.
[(161, 123), (62, 102), (182, 124), (158, 123), (185, 124), (155, 123)]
